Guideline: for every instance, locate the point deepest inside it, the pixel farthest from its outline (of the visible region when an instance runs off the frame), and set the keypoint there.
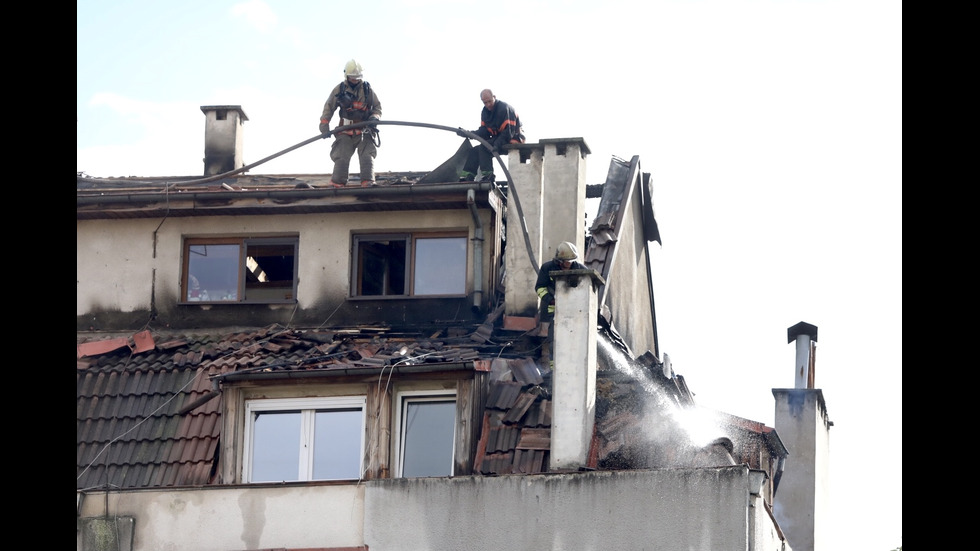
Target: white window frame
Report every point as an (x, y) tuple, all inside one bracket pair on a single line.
[(402, 399), (308, 408)]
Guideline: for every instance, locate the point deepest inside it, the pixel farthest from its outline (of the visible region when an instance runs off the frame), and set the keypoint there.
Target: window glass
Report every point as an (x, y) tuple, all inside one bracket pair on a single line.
[(213, 272), (440, 266), (230, 269), (384, 265), (276, 446), (337, 444), (428, 436), (304, 439), (381, 265)]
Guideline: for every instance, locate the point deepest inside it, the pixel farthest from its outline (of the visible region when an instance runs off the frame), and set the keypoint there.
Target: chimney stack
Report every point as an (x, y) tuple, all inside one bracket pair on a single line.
[(549, 184), (223, 138), (801, 501), (574, 377)]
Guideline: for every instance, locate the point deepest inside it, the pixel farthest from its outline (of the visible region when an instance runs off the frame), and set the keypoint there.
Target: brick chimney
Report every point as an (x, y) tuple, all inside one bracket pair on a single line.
[(223, 138)]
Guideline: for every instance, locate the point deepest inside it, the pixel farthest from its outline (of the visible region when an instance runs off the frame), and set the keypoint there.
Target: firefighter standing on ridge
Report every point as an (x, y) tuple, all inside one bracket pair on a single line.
[(356, 102), (566, 258), (499, 125)]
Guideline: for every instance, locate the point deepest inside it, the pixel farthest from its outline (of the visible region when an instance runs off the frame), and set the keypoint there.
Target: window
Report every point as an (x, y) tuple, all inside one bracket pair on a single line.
[(409, 265), (426, 434), (240, 270), (304, 439)]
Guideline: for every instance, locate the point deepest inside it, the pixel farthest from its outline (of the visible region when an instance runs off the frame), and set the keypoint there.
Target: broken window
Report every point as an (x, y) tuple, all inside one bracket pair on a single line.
[(426, 436), (235, 269), (409, 265), (304, 439)]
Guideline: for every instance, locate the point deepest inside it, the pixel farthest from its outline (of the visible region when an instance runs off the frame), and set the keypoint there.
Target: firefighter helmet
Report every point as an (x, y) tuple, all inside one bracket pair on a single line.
[(353, 69), (566, 251)]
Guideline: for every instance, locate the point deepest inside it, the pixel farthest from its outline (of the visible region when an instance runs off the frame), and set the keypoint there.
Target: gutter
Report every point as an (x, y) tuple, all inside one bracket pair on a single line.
[(477, 252), (205, 196), (347, 372)]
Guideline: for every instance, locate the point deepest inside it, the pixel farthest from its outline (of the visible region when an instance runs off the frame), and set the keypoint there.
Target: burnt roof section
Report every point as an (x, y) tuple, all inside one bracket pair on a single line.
[(149, 408), (119, 198)]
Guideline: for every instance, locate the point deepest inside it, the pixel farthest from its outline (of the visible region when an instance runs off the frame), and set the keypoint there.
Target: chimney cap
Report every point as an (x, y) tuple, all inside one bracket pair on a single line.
[(802, 328), (207, 108)]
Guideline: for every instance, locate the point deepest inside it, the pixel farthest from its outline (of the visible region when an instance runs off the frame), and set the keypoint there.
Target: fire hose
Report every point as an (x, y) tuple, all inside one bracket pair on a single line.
[(511, 190)]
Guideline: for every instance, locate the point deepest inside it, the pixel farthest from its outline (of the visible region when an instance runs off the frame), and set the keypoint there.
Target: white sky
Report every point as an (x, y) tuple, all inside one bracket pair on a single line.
[(772, 130)]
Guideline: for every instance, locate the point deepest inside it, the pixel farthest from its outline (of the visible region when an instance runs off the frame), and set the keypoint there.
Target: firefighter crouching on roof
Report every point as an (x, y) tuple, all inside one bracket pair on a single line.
[(566, 258), (499, 125), (355, 101)]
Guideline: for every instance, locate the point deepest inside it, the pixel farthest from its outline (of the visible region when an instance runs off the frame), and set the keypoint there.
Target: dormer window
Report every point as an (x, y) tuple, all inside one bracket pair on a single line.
[(426, 435), (236, 269), (304, 439), (409, 264)]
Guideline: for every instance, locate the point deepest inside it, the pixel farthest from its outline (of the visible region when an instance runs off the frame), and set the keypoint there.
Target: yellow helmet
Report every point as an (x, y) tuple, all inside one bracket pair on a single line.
[(353, 69), (566, 251)]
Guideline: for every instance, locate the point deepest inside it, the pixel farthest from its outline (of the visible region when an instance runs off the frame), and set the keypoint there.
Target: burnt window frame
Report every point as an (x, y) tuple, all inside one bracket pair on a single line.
[(243, 285), (404, 260)]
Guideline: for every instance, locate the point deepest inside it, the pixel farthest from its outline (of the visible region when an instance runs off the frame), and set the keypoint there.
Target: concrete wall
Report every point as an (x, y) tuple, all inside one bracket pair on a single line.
[(233, 518), (563, 198), (669, 509), (801, 501), (683, 509), (628, 286), (574, 378), (519, 295), (551, 189), (143, 271)]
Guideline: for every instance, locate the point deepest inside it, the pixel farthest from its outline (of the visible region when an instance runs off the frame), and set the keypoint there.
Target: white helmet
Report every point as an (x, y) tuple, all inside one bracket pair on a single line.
[(353, 69), (566, 251)]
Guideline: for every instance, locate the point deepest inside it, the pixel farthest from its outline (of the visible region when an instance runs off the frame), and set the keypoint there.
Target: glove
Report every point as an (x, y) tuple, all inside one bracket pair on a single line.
[(372, 127), (461, 133), (324, 127)]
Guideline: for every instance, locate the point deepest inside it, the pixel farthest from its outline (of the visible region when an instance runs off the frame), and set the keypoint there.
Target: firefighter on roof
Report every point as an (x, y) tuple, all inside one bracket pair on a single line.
[(354, 101)]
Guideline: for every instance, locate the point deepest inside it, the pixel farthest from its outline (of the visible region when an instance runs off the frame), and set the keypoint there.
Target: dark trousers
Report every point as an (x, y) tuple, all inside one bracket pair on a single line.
[(479, 157)]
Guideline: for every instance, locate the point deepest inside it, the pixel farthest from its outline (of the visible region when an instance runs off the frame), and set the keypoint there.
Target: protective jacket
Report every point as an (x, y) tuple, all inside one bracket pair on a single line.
[(500, 126), (354, 103), (545, 285)]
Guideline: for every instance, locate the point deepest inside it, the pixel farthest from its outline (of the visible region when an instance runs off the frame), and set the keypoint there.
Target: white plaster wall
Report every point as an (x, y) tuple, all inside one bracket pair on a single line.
[(765, 534), (563, 210), (800, 503), (519, 295), (112, 273), (118, 274), (236, 518), (644, 510), (627, 287), (574, 378), (677, 509)]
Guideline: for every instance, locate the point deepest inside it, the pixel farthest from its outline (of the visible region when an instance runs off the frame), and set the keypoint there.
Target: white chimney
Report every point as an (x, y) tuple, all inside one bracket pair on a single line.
[(800, 503), (574, 378), (549, 184)]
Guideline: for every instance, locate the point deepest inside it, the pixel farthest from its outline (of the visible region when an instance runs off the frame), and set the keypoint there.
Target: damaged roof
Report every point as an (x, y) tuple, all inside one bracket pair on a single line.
[(149, 407)]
